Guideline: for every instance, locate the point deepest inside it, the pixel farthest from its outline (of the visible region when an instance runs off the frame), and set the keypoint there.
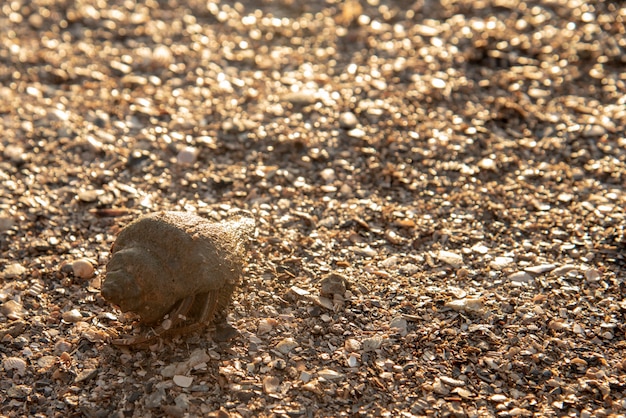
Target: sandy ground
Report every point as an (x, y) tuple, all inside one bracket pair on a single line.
[(438, 190)]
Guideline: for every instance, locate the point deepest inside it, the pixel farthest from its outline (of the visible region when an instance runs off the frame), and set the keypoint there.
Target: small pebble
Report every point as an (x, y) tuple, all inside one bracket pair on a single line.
[(425, 30), (457, 409), (173, 411), (521, 277), (15, 154), (12, 309), (182, 401), (438, 83), (45, 362), (162, 56), (305, 376), (170, 370), (591, 131), (198, 359), (83, 268), (187, 156), (393, 237), (348, 120), (6, 223), (498, 398), (352, 345), (345, 190), (607, 335), (182, 381), (328, 222), (89, 196), (593, 275), (538, 93), (500, 263), (400, 325), (328, 175), (487, 164), (72, 316), (372, 343), (356, 133), (480, 249), (265, 326), (565, 197), (457, 292), (520, 412), (15, 329), (62, 346), (325, 303), (389, 261), (333, 284), (271, 384), (13, 271), (302, 98), (156, 398), (463, 393), (19, 391)]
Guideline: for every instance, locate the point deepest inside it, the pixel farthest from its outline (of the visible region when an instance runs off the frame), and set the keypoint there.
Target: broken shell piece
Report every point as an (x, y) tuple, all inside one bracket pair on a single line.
[(333, 284), (474, 306)]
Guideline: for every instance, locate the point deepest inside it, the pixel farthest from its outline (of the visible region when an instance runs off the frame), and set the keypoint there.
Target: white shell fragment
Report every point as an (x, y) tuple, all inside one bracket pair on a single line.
[(330, 374), (12, 309), (286, 345), (521, 277), (271, 384), (72, 316), (353, 361), (448, 257), (399, 324), (372, 343), (16, 364), (352, 345), (12, 271), (187, 156), (500, 263), (265, 326), (469, 305)]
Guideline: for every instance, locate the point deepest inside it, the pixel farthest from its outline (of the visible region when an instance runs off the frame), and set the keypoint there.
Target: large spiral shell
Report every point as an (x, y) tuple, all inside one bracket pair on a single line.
[(161, 258)]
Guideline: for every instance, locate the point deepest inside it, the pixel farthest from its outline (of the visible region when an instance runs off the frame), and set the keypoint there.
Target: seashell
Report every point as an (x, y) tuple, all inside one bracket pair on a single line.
[(177, 263), (15, 363)]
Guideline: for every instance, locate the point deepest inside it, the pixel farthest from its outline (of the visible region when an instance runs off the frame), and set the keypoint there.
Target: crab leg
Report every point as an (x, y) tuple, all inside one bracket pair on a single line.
[(208, 311), (177, 316)]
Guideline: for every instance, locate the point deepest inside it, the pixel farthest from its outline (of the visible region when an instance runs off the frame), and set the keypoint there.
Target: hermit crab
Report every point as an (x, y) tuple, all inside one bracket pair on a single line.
[(176, 270)]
